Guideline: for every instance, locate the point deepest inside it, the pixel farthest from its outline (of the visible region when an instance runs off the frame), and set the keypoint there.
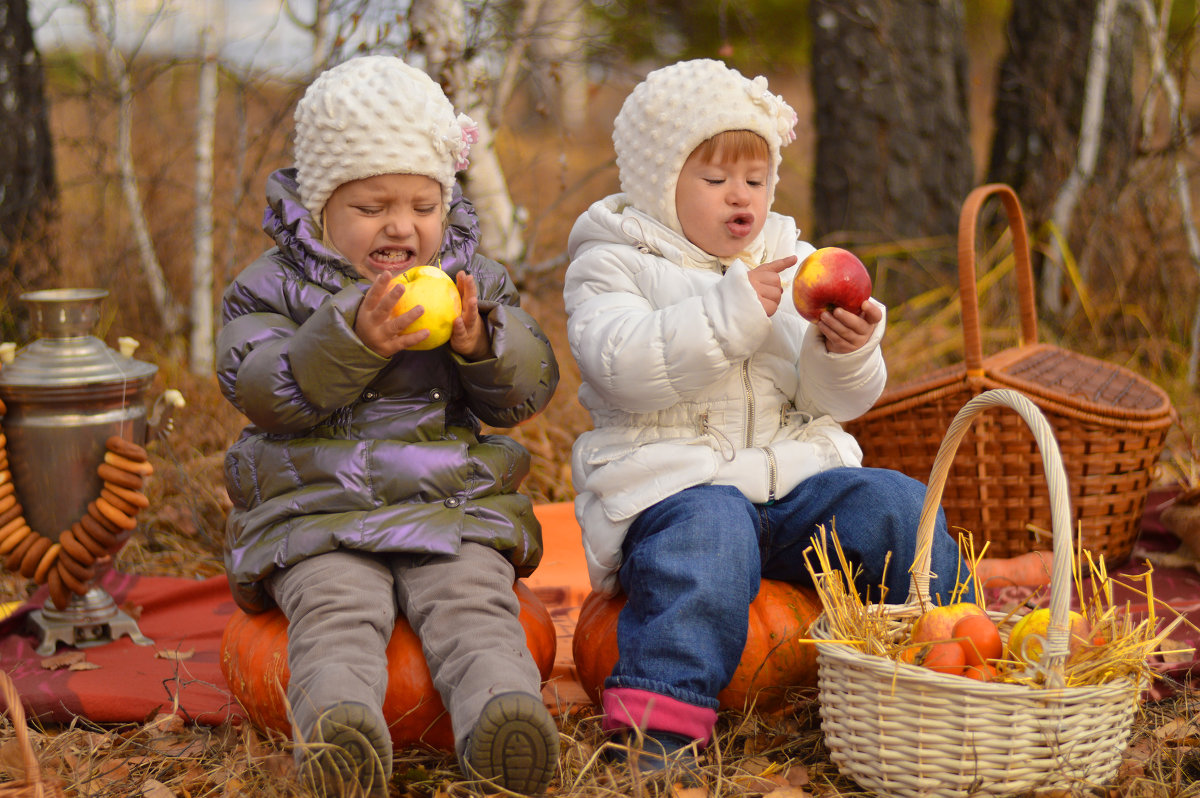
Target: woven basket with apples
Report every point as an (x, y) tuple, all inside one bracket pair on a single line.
[(949, 701)]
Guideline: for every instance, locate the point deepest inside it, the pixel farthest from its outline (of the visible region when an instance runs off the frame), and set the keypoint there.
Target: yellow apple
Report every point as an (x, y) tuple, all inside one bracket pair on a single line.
[(435, 291), (1028, 636)]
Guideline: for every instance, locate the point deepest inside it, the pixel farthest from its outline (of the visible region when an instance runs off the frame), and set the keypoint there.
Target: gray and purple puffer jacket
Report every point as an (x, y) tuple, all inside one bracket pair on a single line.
[(349, 449)]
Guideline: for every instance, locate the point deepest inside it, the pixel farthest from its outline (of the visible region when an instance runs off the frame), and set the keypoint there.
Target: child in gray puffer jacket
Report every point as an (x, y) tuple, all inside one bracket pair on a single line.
[(364, 485)]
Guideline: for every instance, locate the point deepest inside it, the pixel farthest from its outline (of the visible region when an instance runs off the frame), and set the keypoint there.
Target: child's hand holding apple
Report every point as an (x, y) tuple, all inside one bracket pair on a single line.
[(832, 290)]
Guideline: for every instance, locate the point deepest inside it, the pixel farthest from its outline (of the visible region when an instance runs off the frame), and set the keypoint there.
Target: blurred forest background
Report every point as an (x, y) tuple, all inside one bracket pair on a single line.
[(139, 169)]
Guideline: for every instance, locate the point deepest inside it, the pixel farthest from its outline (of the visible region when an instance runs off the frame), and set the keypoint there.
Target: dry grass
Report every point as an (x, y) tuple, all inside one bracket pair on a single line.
[(554, 176)]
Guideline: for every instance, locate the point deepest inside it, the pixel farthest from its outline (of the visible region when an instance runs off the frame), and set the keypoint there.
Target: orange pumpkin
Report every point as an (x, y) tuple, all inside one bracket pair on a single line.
[(775, 662), (254, 661)]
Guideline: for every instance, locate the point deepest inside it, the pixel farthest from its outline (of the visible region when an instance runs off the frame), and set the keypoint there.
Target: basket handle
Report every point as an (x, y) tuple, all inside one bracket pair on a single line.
[(967, 223), (16, 713), (1054, 652)]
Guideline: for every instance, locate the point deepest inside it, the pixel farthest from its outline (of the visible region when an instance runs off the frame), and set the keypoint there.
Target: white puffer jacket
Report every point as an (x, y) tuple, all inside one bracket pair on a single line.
[(689, 382)]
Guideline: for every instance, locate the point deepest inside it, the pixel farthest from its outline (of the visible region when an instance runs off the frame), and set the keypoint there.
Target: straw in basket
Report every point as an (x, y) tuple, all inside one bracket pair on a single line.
[(903, 730), (1111, 423), (32, 785)]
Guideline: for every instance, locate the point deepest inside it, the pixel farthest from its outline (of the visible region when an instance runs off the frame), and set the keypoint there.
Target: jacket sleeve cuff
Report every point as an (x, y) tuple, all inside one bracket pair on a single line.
[(331, 364)]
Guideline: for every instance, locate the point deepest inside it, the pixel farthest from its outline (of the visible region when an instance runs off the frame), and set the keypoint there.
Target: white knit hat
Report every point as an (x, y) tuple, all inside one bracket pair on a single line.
[(376, 115), (677, 108)]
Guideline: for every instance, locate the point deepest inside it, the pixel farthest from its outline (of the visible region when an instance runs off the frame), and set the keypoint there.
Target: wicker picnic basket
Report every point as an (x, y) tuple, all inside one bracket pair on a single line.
[(1110, 423), (903, 730)]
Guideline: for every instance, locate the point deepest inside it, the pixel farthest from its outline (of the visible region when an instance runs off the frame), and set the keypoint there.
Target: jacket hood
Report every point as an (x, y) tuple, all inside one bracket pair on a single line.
[(614, 220), (298, 236)]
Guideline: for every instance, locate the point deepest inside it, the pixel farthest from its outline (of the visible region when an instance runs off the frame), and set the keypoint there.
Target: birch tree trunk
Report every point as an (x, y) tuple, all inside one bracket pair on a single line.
[(1181, 138), (1040, 96), (560, 60), (1063, 208), (168, 309), (202, 355), (439, 34)]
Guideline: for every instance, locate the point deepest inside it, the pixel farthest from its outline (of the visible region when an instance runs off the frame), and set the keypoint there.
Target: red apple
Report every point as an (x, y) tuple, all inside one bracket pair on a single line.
[(937, 623), (830, 277)]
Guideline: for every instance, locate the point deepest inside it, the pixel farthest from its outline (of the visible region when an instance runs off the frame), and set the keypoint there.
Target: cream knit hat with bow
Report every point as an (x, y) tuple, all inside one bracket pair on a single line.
[(376, 115), (677, 108)]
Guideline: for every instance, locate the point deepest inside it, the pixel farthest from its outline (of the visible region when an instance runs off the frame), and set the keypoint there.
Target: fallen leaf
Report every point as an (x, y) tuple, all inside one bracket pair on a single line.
[(110, 771), (759, 784), (689, 792), (166, 723), (156, 789), (83, 666), (788, 792), (12, 759), (797, 776), (175, 655), (1176, 652), (757, 764), (282, 766), (1176, 729), (63, 660)]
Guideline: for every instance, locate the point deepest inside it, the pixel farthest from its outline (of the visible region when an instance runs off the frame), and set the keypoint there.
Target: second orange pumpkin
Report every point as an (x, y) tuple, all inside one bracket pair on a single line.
[(775, 662)]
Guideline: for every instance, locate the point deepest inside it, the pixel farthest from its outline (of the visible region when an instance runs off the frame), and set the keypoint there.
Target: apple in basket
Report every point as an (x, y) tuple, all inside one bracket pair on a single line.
[(434, 290), (1027, 637), (829, 278), (937, 623)]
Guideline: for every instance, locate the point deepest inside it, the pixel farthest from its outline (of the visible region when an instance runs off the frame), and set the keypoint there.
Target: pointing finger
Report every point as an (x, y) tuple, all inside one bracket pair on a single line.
[(780, 265)]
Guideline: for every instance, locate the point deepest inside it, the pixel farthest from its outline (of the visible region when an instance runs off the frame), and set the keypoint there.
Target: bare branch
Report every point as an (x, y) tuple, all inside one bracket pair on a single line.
[(512, 60)]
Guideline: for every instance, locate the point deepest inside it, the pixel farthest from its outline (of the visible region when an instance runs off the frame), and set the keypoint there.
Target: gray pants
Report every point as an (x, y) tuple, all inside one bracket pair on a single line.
[(341, 608)]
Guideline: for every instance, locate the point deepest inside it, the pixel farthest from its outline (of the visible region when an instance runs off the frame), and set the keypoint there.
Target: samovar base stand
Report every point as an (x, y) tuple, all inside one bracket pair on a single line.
[(92, 619)]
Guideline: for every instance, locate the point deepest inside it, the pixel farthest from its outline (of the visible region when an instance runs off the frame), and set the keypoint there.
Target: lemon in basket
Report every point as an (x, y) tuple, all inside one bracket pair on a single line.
[(1027, 638), (434, 290)]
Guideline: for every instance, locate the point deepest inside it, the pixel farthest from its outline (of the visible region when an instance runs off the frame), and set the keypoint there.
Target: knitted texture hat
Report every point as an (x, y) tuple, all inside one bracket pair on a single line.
[(677, 108), (376, 115)]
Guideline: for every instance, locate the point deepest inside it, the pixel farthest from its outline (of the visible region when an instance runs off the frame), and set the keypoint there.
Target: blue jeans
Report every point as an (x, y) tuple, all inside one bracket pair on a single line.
[(693, 562)]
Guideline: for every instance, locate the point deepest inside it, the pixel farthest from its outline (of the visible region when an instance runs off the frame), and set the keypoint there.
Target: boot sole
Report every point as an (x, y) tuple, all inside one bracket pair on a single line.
[(349, 761), (515, 744)]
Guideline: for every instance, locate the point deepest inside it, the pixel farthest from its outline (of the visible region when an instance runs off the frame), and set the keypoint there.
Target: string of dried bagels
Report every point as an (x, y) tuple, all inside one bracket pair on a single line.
[(68, 566)]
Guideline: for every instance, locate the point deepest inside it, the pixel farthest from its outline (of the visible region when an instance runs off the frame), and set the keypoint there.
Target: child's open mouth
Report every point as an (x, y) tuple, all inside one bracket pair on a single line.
[(740, 225), (393, 258)]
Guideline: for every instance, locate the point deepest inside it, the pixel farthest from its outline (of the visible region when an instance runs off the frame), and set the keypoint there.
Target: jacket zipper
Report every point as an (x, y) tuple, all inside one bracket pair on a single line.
[(772, 473), (749, 438), (772, 465)]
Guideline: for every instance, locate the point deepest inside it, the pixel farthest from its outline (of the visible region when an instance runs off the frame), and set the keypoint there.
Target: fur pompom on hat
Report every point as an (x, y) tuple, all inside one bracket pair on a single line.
[(376, 115), (677, 108)]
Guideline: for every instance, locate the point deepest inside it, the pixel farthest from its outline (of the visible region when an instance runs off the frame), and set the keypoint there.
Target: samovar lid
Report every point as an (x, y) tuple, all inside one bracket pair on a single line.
[(65, 353)]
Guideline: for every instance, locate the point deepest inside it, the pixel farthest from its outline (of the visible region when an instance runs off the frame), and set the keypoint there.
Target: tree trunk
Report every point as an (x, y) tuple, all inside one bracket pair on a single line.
[(893, 157), (439, 33), (559, 61), (1039, 112), (28, 193), (201, 349), (169, 310)]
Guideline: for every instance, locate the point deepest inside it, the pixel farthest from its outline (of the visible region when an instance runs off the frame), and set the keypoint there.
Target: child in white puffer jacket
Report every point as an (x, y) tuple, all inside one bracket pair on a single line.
[(716, 451)]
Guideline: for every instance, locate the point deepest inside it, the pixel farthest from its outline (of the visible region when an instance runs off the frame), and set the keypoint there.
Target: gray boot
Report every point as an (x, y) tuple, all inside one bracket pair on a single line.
[(349, 754), (514, 744)]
